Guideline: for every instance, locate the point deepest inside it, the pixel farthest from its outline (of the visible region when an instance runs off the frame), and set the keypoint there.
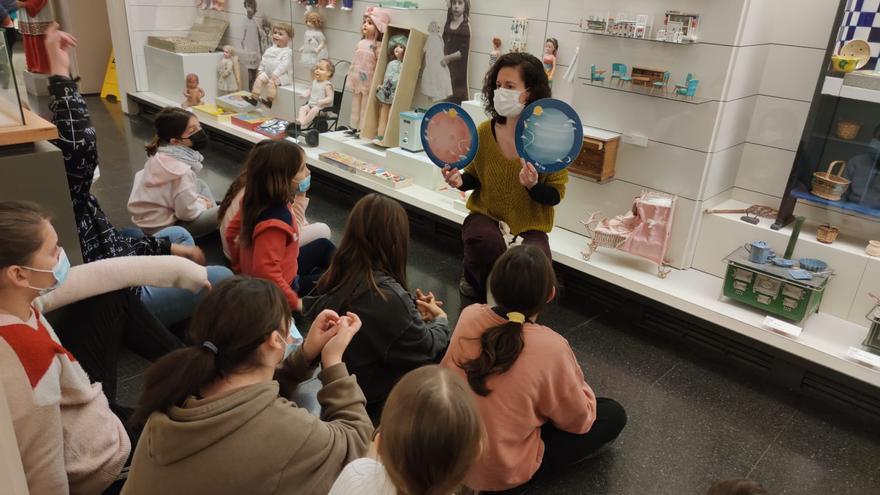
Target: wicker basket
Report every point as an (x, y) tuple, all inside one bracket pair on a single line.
[(829, 185), (827, 233), (177, 44), (848, 129)]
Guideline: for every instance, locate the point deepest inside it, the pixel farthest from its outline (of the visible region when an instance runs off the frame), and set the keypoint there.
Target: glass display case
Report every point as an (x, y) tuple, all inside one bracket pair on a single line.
[(11, 112), (837, 164)]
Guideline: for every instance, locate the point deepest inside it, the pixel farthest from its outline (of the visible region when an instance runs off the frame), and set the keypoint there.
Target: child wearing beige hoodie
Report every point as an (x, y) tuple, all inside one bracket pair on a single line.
[(168, 191)]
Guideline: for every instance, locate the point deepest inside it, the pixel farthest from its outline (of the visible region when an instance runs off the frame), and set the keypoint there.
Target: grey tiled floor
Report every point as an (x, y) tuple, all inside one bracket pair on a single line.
[(691, 420)]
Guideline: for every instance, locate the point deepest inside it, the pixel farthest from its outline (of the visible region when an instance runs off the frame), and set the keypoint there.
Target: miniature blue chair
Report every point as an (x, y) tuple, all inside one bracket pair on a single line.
[(690, 90), (687, 81), (661, 85), (617, 71), (596, 75), (623, 77)]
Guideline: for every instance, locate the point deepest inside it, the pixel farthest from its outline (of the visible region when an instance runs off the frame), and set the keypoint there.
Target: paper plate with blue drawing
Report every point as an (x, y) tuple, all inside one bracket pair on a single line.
[(549, 135), (449, 135)]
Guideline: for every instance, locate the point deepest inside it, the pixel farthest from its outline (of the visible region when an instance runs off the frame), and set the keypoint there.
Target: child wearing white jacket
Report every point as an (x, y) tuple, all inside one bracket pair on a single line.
[(168, 191)]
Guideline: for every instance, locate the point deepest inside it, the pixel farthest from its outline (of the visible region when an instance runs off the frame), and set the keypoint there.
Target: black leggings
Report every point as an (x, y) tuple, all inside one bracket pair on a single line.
[(563, 450), (313, 260), (94, 329)]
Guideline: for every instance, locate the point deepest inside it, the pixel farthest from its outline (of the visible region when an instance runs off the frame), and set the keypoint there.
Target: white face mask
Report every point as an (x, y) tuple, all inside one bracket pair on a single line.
[(506, 102)]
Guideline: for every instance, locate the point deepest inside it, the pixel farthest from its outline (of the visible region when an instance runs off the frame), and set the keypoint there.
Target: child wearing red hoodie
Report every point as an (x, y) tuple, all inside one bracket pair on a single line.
[(263, 236)]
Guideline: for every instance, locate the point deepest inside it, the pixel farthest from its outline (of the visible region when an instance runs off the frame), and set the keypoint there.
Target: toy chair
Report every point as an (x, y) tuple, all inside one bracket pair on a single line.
[(643, 231), (688, 91), (617, 71), (663, 84), (624, 78), (328, 118), (687, 81), (596, 75)]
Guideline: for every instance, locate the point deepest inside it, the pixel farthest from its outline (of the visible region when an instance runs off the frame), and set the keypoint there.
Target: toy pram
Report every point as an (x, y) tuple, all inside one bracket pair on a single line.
[(643, 232)]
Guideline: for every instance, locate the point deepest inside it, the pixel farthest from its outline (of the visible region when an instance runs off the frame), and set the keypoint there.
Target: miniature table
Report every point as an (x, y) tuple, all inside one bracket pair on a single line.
[(641, 80)]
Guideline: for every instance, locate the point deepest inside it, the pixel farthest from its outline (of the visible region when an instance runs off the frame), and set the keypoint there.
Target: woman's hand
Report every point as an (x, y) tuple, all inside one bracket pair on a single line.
[(57, 42), (346, 327), (192, 253), (322, 330), (528, 176), (452, 176)]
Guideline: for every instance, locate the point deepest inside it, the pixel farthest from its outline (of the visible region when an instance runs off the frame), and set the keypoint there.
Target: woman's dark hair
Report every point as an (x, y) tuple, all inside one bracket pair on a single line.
[(530, 69), (522, 281), (170, 123), (376, 238), (555, 44), (20, 231), (466, 14), (236, 317), (270, 169), (431, 432)]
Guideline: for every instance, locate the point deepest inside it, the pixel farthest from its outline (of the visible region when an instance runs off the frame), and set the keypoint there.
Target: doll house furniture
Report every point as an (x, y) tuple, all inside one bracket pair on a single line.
[(661, 84), (598, 156), (647, 76), (689, 90), (643, 231), (618, 71), (596, 75)]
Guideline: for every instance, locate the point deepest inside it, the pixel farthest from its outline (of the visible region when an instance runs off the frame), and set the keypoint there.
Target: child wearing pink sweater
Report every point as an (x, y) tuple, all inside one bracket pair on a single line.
[(540, 414), (68, 438)]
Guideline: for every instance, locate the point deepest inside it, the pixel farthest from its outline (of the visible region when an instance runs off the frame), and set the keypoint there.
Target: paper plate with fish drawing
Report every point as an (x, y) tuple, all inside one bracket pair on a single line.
[(549, 135), (449, 135)]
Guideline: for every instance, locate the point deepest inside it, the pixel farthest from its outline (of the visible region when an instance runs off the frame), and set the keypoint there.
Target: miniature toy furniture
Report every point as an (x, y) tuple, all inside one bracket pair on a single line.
[(596, 75), (641, 80), (328, 118), (644, 231), (662, 84), (597, 158), (618, 70), (688, 91), (623, 77), (647, 73)]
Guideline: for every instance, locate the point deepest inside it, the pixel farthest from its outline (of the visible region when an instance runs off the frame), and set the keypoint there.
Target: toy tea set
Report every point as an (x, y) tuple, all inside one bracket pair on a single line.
[(788, 288)]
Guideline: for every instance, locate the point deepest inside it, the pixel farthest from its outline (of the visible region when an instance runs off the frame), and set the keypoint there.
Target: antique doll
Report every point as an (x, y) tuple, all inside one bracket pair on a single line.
[(275, 66), (314, 45), (456, 47), (363, 65), (495, 52), (551, 46), (193, 92), (436, 83), (385, 91), (228, 72), (253, 41), (212, 4), (320, 95)]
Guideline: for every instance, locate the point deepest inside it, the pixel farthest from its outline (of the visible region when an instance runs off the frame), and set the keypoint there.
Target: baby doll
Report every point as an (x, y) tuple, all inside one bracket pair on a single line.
[(385, 91), (212, 4), (314, 45), (551, 46), (320, 95), (275, 66), (228, 72), (360, 75), (193, 92), (496, 51), (436, 83)]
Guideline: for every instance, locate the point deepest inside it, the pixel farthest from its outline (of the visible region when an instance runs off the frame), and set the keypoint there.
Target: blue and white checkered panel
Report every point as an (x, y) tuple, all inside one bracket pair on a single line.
[(861, 21)]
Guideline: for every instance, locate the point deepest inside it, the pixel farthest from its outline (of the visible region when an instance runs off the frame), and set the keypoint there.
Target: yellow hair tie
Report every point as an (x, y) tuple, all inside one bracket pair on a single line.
[(516, 317)]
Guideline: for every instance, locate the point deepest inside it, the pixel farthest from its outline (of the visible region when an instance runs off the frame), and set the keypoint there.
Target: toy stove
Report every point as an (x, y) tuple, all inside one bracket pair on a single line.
[(872, 341), (410, 131), (772, 288)]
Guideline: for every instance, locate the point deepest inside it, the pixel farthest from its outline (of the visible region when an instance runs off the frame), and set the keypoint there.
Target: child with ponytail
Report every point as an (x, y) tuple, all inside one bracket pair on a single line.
[(216, 418), (540, 414)]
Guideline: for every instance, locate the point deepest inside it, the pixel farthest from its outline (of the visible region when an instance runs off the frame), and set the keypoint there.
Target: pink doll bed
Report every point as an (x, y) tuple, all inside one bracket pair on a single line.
[(644, 231)]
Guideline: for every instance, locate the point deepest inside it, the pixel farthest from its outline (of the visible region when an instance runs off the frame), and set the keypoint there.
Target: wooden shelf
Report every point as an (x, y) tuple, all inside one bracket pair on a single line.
[(606, 35), (35, 129)]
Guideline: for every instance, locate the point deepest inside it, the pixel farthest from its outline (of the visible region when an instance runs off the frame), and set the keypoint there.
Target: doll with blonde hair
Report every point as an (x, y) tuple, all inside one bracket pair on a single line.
[(314, 47), (228, 72), (275, 67)]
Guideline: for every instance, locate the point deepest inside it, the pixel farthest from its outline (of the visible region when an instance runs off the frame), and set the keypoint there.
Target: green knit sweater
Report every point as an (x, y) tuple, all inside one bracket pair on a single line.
[(500, 194)]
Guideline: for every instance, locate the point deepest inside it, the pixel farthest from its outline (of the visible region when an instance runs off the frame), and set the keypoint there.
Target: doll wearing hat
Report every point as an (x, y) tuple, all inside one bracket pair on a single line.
[(385, 92), (363, 65)]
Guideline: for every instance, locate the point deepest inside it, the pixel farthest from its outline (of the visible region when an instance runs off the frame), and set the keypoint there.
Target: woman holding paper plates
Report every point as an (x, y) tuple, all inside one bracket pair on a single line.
[(509, 195)]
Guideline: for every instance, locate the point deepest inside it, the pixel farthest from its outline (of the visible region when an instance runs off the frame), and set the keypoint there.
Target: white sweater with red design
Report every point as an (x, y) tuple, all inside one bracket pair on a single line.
[(69, 440)]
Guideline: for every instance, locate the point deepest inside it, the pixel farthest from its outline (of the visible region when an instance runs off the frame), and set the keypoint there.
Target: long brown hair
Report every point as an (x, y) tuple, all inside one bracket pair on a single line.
[(236, 317), (522, 281), (170, 123), (376, 238), (270, 169), (431, 432), (20, 236), (236, 186)]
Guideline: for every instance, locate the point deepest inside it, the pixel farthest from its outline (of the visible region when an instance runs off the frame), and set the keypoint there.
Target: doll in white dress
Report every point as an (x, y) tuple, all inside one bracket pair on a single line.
[(275, 66), (228, 72), (436, 83), (314, 45)]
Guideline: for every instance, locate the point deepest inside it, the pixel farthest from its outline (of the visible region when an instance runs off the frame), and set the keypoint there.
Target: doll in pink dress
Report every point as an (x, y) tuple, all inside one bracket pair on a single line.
[(363, 65)]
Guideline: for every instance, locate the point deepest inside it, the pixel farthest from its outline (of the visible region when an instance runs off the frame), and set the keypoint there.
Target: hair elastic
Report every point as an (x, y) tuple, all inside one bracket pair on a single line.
[(210, 346), (516, 317)]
